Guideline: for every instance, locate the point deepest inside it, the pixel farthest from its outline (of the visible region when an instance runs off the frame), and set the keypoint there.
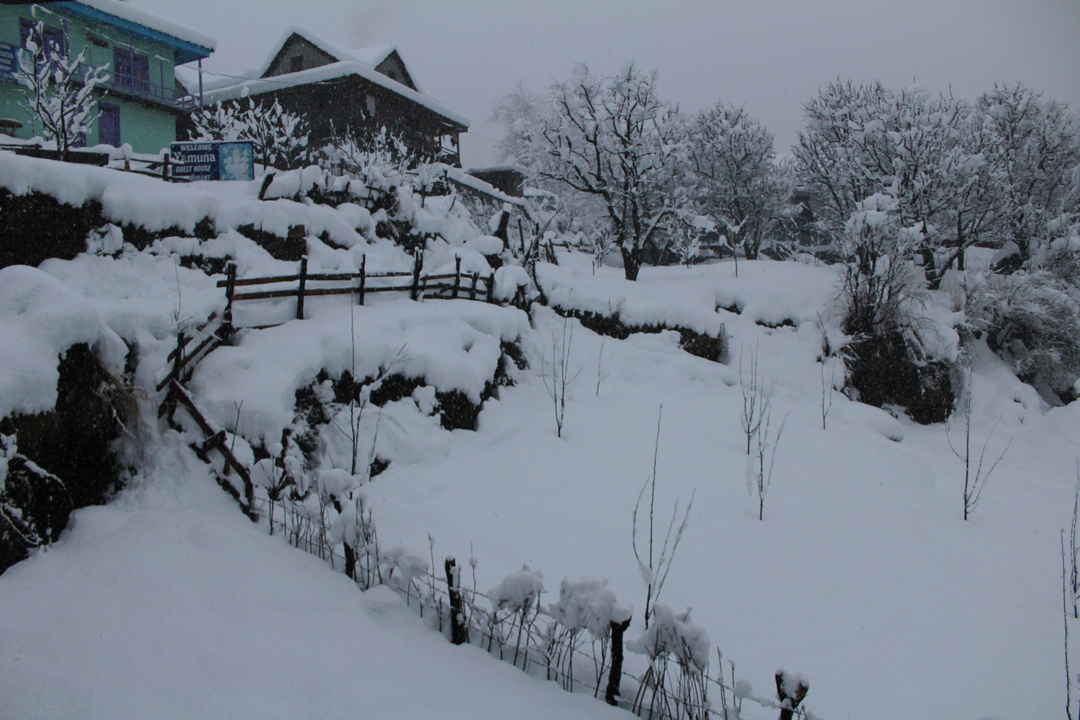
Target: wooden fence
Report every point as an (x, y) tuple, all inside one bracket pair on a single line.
[(534, 640), (455, 285), (190, 349)]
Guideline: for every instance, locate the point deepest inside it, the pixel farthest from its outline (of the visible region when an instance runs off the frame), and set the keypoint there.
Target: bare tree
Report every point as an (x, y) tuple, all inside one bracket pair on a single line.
[(1065, 624), (828, 381), (61, 92), (558, 374), (1074, 546), (756, 396), (976, 470), (656, 565), (763, 461)]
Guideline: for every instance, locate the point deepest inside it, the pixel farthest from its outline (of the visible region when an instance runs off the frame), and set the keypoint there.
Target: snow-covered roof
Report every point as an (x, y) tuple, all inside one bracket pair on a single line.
[(372, 56), (134, 14), (332, 71)]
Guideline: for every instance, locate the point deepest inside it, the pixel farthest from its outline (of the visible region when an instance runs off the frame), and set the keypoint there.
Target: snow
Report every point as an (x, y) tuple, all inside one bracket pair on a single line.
[(588, 604), (370, 56), (454, 345), (40, 318), (861, 571), (186, 609), (135, 13), (156, 205), (518, 591), (331, 71)]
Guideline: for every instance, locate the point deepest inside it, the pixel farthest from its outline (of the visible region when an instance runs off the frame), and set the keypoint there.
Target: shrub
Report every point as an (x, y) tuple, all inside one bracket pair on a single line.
[(1032, 320)]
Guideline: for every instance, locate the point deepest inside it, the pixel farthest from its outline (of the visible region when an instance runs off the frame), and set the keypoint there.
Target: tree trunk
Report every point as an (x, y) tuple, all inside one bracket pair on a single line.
[(631, 262), (350, 561)]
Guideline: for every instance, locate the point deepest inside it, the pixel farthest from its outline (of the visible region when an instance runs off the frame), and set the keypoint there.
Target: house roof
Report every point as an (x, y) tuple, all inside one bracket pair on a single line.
[(372, 56), (188, 44), (356, 61), (333, 71)]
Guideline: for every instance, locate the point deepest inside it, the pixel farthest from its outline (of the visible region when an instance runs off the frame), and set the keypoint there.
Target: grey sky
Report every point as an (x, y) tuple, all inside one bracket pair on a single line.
[(769, 55)]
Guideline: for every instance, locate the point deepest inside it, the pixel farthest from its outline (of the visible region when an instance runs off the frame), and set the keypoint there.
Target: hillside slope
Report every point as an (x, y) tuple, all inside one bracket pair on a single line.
[(168, 603)]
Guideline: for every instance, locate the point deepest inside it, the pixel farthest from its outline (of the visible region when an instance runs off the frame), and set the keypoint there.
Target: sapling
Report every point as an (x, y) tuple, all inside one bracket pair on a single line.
[(1074, 547), (557, 375), (600, 372), (976, 470), (656, 566), (763, 461), (756, 396)]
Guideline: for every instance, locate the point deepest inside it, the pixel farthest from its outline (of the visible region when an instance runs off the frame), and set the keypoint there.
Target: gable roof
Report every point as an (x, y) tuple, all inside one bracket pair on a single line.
[(188, 44), (370, 56), (362, 62), (258, 86)]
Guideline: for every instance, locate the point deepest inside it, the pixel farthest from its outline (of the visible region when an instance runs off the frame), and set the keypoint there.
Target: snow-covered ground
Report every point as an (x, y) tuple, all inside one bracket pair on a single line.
[(168, 603), (862, 575)]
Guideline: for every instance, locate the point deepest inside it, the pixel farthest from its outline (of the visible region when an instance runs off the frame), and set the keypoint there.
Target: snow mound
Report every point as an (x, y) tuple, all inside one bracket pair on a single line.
[(454, 345), (40, 318)]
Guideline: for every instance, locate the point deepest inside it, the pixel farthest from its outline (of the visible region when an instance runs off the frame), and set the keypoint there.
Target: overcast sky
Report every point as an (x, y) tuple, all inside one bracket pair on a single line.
[(769, 55)]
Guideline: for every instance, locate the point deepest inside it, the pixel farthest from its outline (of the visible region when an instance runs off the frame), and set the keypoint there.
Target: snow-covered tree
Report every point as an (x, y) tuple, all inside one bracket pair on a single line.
[(280, 137), (1036, 144), (61, 92), (613, 140), (732, 155)]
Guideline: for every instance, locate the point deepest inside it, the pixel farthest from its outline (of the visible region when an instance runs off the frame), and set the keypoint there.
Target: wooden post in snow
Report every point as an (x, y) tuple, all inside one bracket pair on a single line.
[(491, 288), (618, 629), (790, 697), (472, 289), (302, 288), (458, 632), (363, 278), (457, 275), (415, 293), (230, 290)]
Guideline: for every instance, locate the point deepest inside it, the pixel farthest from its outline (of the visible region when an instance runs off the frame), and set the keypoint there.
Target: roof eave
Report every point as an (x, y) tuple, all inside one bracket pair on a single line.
[(185, 51)]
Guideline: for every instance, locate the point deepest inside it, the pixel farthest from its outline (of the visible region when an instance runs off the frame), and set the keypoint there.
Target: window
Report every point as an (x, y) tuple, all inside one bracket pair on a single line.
[(109, 125), (370, 104), (131, 70), (296, 63), (54, 37)]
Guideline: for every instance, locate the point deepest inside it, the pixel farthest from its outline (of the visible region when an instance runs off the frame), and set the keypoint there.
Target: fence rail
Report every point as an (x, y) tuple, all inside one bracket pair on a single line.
[(455, 285)]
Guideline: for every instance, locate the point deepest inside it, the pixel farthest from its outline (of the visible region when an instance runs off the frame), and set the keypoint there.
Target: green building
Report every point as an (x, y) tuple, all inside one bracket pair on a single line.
[(141, 102)]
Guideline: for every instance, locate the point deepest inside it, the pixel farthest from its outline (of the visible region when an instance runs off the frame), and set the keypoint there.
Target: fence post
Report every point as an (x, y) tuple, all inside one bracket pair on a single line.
[(416, 274), (178, 361), (458, 633), (521, 237), (791, 702), (165, 168), (457, 275), (618, 629), (491, 288), (301, 289), (363, 277), (230, 290), (472, 290)]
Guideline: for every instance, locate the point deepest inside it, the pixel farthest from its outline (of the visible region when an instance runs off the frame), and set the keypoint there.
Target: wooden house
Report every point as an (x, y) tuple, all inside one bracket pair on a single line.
[(336, 88)]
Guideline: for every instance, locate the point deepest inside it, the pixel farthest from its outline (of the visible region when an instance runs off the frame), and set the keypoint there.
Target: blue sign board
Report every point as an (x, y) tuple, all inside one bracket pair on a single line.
[(214, 160)]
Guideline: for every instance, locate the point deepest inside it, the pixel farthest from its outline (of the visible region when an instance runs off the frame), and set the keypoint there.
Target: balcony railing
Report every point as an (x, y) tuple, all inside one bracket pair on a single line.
[(120, 84)]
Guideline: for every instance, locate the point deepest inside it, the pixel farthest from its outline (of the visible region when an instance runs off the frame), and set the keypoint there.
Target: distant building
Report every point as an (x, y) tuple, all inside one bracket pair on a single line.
[(508, 178), (140, 104), (337, 88)]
